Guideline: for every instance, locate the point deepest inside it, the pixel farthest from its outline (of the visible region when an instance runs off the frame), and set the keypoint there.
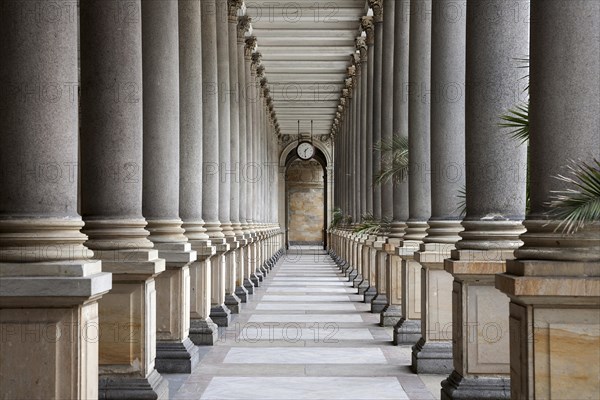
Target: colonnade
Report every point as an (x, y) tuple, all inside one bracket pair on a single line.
[(494, 297), (138, 215)]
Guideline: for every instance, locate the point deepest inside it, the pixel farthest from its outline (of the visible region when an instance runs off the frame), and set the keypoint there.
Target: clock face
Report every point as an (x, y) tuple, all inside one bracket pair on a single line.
[(305, 151)]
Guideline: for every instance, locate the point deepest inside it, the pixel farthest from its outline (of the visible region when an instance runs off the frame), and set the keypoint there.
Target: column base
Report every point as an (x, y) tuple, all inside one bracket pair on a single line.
[(370, 294), (378, 303), (352, 275), (121, 387), (242, 293), (407, 331), (485, 388), (176, 357), (390, 316), (203, 332), (221, 315), (259, 275), (432, 357), (255, 280), (356, 282), (249, 286), (363, 286), (233, 302)]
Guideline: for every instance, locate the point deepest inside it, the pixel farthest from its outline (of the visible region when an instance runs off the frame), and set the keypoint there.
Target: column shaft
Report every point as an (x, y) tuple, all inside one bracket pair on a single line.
[(48, 279), (553, 285), (111, 194)]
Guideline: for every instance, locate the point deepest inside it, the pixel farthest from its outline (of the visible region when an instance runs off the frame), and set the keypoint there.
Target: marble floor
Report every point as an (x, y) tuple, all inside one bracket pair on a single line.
[(304, 334)]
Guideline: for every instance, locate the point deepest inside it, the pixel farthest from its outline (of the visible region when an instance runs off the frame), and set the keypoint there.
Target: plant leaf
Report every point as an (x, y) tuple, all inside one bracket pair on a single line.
[(579, 204)]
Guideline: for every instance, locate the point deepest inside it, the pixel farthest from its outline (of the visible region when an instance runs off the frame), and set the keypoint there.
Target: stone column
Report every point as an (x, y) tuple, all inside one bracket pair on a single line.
[(250, 169), (392, 314), (49, 281), (496, 181), (243, 69), (553, 284), (377, 6), (202, 329), (408, 328), (211, 123), (361, 47), (419, 184), (111, 198), (229, 144), (160, 195), (389, 315), (368, 27), (447, 166)]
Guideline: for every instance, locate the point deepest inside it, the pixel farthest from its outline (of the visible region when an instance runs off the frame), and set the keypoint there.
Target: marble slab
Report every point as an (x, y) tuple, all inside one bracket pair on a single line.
[(321, 333), (311, 298), (324, 279), (305, 355), (305, 307), (305, 318), (295, 289), (304, 388), (310, 283)]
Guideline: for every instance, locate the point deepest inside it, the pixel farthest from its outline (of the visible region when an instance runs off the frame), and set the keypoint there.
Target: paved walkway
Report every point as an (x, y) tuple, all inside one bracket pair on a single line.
[(305, 334)]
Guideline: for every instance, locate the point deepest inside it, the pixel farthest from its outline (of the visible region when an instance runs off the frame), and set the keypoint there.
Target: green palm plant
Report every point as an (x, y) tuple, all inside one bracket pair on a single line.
[(579, 204), (517, 120), (394, 160), (336, 217), (575, 206), (371, 225)]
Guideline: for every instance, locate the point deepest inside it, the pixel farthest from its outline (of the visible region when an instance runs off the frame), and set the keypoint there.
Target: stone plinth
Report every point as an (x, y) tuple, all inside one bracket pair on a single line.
[(480, 327)]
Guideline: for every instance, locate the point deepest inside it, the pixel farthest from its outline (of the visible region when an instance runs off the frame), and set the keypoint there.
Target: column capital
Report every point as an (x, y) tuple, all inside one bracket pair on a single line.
[(351, 70), (232, 10), (256, 59), (260, 71), (243, 26), (366, 24), (377, 6), (361, 45), (249, 48)]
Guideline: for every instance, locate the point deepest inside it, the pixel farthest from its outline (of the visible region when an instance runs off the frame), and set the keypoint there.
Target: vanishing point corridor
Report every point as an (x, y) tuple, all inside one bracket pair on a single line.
[(305, 334)]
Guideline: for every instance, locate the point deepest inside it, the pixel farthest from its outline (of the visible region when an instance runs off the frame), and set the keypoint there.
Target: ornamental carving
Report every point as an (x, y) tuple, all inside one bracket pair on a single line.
[(256, 59), (232, 9), (361, 46), (243, 27), (377, 6), (366, 23), (260, 72), (250, 46)]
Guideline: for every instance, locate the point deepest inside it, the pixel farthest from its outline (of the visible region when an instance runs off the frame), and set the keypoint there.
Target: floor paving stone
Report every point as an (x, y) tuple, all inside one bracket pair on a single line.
[(304, 334)]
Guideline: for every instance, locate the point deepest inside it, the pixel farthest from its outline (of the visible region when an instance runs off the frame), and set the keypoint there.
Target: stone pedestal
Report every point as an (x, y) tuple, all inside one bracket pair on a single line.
[(554, 328), (371, 291), (480, 327), (392, 313), (128, 316), (219, 312), (232, 301), (175, 352), (408, 329), (380, 300), (203, 331), (433, 352), (49, 324)]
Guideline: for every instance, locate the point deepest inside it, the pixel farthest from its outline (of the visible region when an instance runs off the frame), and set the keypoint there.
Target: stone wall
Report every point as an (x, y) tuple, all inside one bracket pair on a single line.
[(305, 194)]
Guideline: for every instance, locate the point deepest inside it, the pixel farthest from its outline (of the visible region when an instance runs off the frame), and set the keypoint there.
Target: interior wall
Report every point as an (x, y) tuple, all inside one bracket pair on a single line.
[(306, 200)]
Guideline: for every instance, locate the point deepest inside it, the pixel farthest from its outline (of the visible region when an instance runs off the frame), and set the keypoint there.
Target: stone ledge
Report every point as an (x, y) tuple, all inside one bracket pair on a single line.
[(548, 286), (51, 286)]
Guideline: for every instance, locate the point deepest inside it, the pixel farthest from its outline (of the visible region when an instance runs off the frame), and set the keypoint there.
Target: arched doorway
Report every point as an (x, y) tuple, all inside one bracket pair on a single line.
[(306, 200)]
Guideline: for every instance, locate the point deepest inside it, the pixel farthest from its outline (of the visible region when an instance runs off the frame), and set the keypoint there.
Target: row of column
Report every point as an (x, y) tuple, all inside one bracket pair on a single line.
[(166, 154), (498, 299)]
